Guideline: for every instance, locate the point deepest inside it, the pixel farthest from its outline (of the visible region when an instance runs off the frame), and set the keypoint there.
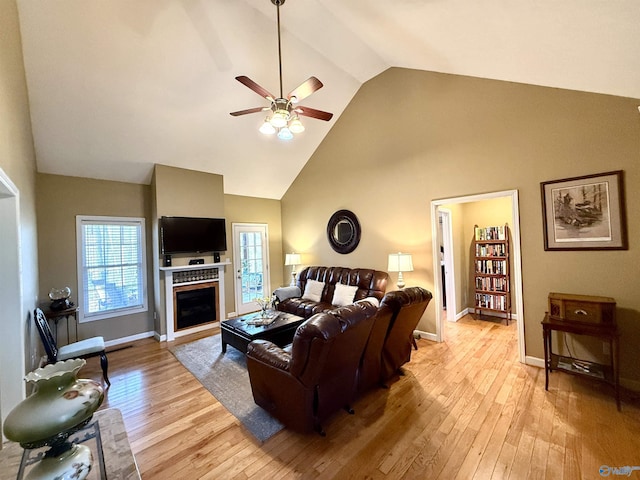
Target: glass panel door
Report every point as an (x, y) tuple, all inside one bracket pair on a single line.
[(251, 265)]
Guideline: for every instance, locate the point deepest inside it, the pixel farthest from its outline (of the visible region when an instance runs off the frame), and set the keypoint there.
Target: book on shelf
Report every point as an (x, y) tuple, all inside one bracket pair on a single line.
[(490, 250), (490, 233), (490, 301), (491, 267)]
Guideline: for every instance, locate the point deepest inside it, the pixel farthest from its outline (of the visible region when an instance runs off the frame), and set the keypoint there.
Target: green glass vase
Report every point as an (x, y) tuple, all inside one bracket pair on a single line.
[(60, 405)]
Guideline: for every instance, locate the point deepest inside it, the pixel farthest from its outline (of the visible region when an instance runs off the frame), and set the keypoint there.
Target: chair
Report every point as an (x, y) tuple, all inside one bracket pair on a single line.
[(409, 305), (90, 347), (370, 369), (304, 384)]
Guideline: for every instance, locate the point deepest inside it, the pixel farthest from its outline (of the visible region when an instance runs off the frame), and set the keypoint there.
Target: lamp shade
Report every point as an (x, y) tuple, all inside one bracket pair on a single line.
[(400, 262), (292, 259), (296, 126), (285, 134), (279, 118), (267, 128)]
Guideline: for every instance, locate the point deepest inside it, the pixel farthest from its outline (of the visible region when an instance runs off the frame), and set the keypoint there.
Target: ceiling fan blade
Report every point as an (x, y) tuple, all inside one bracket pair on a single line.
[(305, 89), (313, 113), (246, 81), (249, 110)]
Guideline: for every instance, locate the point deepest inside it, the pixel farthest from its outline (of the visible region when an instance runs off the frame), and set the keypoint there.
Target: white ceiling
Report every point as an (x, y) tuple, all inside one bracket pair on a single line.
[(116, 86)]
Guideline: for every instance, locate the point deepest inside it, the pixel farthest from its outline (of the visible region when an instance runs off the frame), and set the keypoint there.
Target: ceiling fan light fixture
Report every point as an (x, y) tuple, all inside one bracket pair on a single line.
[(279, 118), (296, 125), (267, 128), (285, 134), (283, 117)]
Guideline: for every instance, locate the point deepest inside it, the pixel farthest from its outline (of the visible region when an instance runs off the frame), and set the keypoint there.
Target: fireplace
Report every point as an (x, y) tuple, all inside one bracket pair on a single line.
[(195, 305), (192, 278)]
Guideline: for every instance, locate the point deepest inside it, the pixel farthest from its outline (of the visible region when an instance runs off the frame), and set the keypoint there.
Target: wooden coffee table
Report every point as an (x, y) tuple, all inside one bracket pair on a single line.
[(238, 332)]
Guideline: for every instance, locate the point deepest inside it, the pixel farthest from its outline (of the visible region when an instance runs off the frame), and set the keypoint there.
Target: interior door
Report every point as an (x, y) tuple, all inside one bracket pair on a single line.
[(251, 265), (447, 267)]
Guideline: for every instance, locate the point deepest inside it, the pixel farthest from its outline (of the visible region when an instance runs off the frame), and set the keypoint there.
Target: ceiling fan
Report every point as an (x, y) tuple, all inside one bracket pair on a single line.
[(284, 111)]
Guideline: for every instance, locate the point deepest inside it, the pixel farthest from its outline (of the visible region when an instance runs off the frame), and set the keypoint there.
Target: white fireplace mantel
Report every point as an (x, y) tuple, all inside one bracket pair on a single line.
[(169, 283)]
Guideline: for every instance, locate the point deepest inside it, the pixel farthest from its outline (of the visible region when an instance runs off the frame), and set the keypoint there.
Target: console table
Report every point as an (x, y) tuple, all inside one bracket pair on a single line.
[(596, 371)]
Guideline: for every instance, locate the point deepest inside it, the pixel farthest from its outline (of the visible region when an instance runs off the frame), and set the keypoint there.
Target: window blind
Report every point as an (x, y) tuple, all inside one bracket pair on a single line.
[(112, 267)]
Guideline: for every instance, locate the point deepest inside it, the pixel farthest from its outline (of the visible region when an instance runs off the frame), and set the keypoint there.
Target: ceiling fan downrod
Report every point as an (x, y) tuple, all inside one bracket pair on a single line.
[(277, 3)]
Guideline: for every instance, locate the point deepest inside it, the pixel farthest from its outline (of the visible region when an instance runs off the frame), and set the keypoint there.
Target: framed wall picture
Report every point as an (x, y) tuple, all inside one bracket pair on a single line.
[(585, 213)]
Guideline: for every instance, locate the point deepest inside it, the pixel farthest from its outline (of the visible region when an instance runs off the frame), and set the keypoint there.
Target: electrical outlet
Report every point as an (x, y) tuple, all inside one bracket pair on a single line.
[(606, 349)]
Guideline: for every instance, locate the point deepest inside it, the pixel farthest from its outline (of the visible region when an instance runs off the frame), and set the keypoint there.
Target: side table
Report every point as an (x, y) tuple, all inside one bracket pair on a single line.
[(120, 464), (57, 315), (600, 372)]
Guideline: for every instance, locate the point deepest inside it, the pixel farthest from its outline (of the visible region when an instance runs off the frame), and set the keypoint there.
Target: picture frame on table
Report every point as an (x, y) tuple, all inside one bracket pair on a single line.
[(585, 213)]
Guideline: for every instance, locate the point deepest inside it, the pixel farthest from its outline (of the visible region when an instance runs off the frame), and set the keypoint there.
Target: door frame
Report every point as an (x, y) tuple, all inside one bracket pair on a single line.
[(13, 351), (237, 267), (516, 255), (449, 268)]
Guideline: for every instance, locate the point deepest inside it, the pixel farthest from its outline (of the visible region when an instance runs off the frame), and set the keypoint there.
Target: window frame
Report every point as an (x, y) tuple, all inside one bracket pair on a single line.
[(139, 222)]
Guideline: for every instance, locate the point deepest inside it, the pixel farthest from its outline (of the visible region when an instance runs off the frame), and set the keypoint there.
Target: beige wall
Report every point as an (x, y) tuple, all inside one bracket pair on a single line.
[(189, 193), (177, 192), (60, 199), (409, 137), (240, 209), (18, 339)]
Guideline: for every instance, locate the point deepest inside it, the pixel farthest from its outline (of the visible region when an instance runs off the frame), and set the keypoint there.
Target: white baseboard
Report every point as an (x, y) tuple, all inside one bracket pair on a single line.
[(157, 336), (427, 335), (534, 361), (627, 383), (132, 338)]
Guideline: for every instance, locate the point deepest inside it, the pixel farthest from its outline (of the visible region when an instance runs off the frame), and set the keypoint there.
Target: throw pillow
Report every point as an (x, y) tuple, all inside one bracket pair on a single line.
[(343, 294), (313, 290), (284, 293), (372, 300)]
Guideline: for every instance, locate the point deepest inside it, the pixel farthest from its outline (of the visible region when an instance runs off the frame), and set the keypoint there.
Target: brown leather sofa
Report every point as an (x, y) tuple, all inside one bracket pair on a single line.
[(370, 283), (305, 383)]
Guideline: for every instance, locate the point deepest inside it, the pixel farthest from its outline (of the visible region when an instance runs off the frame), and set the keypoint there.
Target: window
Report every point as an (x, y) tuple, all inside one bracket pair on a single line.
[(111, 267)]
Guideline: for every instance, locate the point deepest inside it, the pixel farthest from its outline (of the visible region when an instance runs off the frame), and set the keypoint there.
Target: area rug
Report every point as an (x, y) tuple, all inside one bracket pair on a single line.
[(226, 377)]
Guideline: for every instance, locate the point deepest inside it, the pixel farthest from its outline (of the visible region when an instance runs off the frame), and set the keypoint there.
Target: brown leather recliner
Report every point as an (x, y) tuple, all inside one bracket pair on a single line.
[(370, 370), (370, 283), (408, 306), (304, 384)]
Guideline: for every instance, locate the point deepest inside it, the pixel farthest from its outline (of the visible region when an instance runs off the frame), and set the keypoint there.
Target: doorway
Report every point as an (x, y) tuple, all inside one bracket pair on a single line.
[(445, 249), (12, 353), (251, 265), (437, 238)]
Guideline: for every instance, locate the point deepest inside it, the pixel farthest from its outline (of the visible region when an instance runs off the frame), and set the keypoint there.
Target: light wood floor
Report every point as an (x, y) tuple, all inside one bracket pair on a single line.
[(465, 409)]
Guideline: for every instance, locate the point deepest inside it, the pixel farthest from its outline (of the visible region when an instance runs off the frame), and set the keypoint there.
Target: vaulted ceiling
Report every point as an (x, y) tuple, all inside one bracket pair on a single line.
[(116, 86)]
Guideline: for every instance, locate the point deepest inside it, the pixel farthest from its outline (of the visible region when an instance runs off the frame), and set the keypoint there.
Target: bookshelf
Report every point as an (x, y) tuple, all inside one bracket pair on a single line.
[(492, 270)]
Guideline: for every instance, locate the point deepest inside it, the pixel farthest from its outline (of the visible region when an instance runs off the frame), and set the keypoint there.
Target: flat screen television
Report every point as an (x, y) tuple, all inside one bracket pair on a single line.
[(192, 235)]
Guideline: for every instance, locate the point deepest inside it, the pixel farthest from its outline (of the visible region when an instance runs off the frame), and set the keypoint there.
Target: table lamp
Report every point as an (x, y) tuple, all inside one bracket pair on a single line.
[(292, 260), (400, 262)]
